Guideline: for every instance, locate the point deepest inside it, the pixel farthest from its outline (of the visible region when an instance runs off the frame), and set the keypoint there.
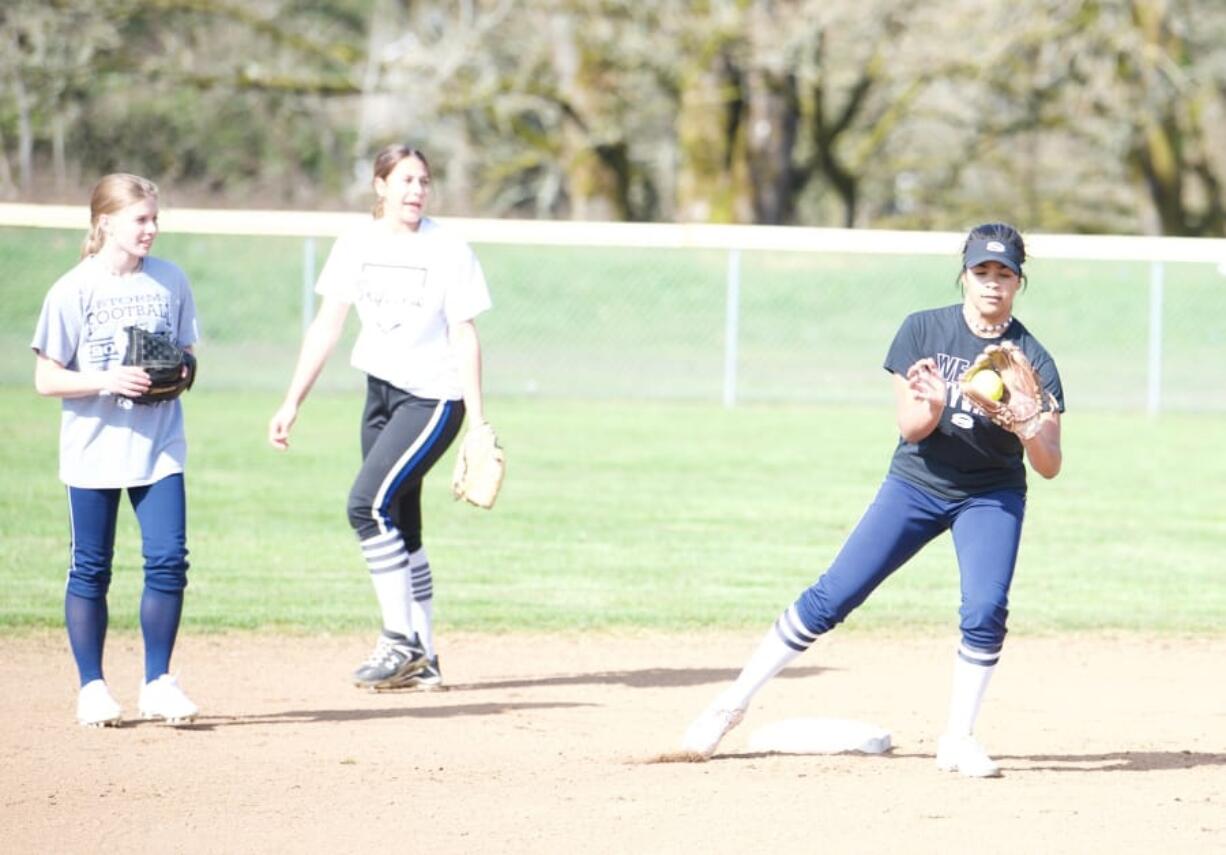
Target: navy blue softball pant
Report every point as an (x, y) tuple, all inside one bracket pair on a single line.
[(161, 510), (986, 530)]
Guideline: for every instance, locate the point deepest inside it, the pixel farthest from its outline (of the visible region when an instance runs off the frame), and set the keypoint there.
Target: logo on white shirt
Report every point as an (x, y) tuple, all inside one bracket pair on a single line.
[(392, 292)]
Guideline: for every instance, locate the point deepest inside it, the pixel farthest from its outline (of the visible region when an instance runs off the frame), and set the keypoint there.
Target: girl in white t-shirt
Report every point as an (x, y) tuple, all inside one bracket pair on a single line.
[(108, 443), (417, 289)]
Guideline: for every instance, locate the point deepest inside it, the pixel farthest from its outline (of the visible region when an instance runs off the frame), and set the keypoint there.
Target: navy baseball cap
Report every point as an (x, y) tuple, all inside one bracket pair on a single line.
[(980, 250)]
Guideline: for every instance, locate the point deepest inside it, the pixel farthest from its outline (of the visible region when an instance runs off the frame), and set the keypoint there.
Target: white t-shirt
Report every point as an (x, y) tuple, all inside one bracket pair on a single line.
[(408, 288), (106, 440)]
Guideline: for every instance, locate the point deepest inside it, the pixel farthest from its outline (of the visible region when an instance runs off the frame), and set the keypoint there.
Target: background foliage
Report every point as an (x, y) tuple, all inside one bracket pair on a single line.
[(1068, 115)]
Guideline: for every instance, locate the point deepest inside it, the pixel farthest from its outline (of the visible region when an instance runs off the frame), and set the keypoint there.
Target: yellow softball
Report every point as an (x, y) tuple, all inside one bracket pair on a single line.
[(988, 384)]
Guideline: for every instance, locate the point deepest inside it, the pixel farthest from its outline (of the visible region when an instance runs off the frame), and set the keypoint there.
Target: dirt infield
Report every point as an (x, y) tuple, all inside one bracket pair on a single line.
[(543, 744)]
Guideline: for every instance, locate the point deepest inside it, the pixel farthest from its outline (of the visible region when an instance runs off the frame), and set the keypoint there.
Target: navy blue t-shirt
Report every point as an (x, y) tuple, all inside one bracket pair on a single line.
[(966, 453)]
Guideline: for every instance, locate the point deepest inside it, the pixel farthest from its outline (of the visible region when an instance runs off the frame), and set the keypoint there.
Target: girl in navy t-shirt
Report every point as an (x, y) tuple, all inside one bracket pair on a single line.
[(953, 470)]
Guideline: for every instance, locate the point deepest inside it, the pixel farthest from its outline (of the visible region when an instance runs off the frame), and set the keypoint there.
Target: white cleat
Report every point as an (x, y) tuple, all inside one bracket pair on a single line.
[(96, 707), (964, 755), (703, 735), (163, 699)]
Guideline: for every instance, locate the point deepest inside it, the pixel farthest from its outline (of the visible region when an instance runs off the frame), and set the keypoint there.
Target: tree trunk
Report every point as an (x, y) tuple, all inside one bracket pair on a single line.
[(1159, 157), (7, 188), (597, 171), (712, 180), (59, 162), (774, 119), (25, 136)]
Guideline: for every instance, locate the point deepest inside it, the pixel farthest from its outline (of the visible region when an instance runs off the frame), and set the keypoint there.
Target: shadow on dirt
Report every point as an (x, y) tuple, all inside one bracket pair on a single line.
[(1119, 761), (646, 678), (1116, 761), (331, 716)]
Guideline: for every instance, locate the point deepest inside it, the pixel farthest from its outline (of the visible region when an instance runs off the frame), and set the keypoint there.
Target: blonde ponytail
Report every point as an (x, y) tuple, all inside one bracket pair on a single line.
[(113, 193), (93, 241)]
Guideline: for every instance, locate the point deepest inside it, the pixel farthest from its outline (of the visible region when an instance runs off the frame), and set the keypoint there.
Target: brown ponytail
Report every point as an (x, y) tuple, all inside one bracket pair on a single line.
[(113, 193)]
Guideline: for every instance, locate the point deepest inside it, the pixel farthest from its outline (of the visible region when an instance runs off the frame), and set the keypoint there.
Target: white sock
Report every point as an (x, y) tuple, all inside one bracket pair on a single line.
[(421, 599), (769, 658), (970, 683), (389, 573)]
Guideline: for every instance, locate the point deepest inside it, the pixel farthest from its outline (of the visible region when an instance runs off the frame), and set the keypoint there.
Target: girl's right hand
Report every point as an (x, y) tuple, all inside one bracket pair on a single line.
[(128, 381), (279, 426), (925, 381)]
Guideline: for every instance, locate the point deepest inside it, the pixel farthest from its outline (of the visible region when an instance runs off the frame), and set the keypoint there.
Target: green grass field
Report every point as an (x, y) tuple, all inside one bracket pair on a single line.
[(633, 515)]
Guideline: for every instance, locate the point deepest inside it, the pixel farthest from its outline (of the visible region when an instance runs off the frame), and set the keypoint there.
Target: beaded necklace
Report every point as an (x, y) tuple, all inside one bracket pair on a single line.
[(990, 330)]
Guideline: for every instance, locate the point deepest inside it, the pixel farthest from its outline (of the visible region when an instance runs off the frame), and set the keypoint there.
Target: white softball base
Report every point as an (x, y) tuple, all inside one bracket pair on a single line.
[(820, 736)]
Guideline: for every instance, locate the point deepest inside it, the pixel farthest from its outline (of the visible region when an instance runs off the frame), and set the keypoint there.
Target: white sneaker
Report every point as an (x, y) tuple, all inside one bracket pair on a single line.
[(704, 733), (96, 707), (165, 700), (964, 755)]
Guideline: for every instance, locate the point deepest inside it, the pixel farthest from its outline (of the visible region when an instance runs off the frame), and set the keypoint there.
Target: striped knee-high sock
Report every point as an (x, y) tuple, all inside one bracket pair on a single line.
[(421, 599), (786, 640), (973, 671), (388, 562)]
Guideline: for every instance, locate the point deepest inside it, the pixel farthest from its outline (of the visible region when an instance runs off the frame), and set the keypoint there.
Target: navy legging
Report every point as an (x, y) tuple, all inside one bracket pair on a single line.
[(161, 511), (987, 530)]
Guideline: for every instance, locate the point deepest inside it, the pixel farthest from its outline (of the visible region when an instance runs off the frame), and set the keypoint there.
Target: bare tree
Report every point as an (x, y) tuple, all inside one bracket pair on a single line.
[(49, 53)]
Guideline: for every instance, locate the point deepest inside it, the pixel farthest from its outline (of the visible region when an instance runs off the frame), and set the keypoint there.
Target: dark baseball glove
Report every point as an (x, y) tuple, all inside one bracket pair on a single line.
[(1021, 399), (171, 369)]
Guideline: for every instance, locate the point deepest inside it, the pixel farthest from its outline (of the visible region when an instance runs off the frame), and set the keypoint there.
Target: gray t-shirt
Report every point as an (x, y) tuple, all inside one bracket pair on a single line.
[(106, 440)]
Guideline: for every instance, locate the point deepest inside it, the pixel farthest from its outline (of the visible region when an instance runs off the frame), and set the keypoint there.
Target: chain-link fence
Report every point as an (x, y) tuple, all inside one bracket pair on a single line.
[(707, 324)]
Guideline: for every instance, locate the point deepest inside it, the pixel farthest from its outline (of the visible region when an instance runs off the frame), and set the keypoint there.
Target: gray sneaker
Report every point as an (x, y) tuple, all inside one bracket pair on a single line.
[(395, 658), (428, 679)]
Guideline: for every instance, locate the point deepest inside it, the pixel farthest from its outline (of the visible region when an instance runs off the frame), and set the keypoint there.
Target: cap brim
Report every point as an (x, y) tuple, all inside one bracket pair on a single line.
[(974, 259)]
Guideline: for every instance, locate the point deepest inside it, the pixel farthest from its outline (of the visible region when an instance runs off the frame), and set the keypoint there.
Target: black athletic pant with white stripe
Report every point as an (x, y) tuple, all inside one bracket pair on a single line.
[(403, 436)]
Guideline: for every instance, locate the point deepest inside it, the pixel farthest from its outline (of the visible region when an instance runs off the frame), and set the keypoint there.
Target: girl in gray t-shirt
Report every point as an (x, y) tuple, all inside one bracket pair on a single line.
[(109, 443)]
